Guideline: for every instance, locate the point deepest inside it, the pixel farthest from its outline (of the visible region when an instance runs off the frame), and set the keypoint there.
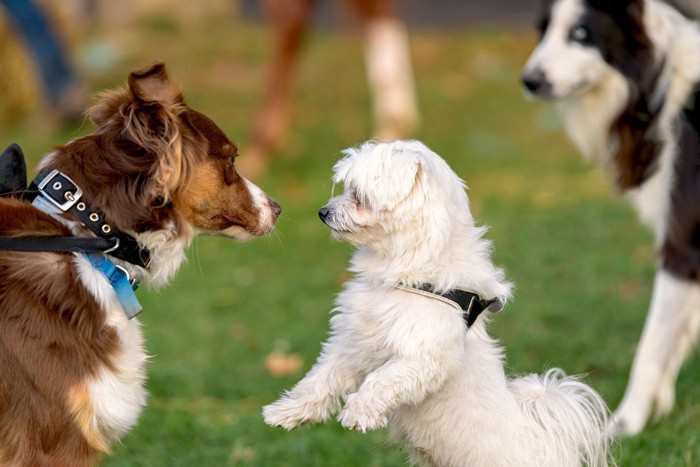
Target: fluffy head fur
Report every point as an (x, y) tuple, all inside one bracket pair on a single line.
[(407, 361), (400, 195), (72, 364)]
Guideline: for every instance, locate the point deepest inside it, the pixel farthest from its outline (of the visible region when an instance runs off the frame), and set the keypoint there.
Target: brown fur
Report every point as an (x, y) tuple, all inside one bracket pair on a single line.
[(52, 336), (152, 164)]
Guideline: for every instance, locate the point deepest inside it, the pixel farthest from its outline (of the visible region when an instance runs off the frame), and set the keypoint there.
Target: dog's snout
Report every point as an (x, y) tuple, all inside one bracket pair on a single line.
[(323, 213), (536, 82), (276, 208)]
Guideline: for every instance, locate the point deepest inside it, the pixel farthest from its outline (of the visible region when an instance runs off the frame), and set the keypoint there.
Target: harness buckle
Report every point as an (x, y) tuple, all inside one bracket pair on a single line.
[(132, 282), (68, 199)]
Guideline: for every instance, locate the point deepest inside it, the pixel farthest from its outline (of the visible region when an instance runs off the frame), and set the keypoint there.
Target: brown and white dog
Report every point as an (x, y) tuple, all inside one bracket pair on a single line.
[(71, 360)]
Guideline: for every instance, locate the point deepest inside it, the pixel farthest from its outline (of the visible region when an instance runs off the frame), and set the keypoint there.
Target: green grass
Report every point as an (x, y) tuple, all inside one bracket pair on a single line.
[(582, 264)]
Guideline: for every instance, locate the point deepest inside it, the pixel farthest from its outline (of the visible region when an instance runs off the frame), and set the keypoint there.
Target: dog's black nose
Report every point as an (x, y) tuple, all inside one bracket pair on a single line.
[(323, 213), (536, 82), (276, 208)]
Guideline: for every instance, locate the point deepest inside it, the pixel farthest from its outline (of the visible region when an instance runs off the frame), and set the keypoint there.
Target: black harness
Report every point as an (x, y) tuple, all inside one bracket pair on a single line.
[(470, 303)]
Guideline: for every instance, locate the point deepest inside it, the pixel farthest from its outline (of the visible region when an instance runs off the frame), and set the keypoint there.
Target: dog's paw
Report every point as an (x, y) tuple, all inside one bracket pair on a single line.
[(626, 423), (290, 413), (361, 415)]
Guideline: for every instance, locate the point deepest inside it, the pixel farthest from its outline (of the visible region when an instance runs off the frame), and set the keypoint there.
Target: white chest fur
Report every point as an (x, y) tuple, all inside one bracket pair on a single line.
[(117, 394)]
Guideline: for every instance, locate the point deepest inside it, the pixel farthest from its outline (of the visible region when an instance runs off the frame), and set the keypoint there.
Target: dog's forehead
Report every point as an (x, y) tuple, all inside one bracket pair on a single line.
[(219, 144), (560, 16), (359, 167)]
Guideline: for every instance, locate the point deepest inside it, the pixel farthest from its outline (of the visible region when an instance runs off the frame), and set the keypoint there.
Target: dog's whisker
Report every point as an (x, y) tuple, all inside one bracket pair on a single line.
[(197, 258)]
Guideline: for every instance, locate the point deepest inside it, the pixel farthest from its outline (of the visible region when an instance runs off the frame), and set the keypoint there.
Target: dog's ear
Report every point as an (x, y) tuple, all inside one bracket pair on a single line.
[(153, 85), (13, 170), (157, 107), (150, 90), (400, 176)]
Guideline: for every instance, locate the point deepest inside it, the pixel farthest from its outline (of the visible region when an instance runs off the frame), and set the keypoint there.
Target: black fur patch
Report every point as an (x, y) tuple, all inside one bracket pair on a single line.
[(616, 29), (680, 253), (544, 16)]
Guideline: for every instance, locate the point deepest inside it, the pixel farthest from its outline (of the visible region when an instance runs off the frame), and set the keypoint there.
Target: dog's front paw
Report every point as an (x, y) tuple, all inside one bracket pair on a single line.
[(362, 415), (290, 413)]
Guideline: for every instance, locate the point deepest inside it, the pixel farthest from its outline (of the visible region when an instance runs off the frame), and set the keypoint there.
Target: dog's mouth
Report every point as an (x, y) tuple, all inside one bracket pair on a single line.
[(328, 217), (236, 228)]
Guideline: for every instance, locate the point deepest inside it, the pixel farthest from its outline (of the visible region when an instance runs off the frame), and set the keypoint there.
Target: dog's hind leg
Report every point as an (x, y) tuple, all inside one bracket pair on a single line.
[(670, 331)]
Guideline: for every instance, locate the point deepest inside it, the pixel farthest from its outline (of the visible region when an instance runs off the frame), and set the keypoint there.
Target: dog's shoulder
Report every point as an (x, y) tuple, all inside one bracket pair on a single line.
[(48, 277), (19, 217)]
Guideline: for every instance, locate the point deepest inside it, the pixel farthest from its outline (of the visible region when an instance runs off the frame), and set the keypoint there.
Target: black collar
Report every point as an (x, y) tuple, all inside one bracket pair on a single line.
[(470, 303), (62, 194)]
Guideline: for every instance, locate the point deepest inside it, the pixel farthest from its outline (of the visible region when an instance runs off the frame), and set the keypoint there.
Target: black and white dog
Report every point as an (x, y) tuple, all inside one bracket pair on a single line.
[(624, 75)]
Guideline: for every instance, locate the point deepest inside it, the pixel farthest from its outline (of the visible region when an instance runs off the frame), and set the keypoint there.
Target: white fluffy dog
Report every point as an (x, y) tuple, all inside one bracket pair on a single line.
[(406, 348)]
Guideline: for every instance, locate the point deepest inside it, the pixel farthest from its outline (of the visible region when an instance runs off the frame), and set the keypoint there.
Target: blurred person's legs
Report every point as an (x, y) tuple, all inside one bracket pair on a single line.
[(47, 50), (389, 69), (389, 72), (289, 20)]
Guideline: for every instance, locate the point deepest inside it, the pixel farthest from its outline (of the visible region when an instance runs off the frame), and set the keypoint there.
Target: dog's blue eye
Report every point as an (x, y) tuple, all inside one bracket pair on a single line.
[(579, 34)]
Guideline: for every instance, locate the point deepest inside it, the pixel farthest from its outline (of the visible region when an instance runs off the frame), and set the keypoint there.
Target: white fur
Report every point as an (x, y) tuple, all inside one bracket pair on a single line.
[(117, 396), (577, 68), (266, 216), (587, 114), (407, 361), (670, 332)]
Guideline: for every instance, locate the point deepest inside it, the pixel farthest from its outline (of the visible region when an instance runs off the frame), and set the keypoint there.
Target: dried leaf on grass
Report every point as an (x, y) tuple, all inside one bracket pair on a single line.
[(278, 363)]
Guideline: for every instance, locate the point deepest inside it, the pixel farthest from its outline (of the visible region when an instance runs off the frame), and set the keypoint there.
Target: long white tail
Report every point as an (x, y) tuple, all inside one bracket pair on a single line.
[(568, 415)]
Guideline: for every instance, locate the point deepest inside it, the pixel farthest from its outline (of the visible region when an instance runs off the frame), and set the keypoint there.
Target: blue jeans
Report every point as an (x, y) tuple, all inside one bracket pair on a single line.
[(45, 46)]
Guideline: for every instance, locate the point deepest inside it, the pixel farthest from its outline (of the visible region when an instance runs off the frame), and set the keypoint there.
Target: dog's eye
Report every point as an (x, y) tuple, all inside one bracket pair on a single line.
[(232, 160), (579, 33)]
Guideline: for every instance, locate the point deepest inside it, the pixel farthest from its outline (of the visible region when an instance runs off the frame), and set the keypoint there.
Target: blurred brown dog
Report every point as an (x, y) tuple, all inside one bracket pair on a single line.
[(389, 73)]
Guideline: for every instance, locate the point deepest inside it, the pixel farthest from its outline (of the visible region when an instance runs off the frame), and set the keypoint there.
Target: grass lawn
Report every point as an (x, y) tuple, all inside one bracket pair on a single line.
[(582, 264)]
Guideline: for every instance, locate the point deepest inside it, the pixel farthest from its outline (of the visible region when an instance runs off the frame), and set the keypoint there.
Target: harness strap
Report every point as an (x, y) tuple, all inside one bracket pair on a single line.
[(468, 302), (119, 280), (56, 244)]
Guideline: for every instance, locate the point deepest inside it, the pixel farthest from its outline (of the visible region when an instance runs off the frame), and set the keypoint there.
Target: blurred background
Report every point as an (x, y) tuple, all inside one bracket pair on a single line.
[(243, 322)]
